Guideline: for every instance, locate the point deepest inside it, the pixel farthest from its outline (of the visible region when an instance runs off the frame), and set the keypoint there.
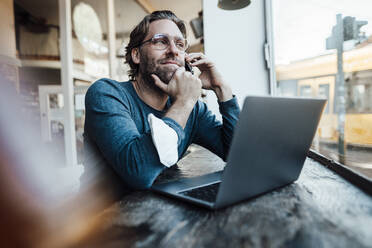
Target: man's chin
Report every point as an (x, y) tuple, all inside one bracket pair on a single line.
[(165, 76)]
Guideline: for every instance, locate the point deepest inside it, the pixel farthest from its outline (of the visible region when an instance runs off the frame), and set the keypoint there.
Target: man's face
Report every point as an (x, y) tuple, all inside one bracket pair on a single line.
[(165, 62)]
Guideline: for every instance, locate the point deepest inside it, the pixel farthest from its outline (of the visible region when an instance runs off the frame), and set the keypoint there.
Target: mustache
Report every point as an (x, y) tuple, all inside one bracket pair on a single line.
[(178, 61)]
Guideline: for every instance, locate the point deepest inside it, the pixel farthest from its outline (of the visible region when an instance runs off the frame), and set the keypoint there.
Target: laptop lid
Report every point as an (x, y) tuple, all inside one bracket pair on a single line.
[(269, 147)]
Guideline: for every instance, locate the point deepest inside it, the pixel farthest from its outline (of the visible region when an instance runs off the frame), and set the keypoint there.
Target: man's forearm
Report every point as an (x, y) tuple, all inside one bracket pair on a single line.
[(223, 93), (180, 111)]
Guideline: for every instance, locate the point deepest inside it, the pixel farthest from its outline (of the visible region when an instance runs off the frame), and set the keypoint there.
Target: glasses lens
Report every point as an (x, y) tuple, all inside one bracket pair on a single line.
[(161, 42), (181, 44)]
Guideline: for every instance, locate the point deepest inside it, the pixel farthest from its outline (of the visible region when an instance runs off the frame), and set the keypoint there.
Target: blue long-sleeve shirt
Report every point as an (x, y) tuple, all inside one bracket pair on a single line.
[(116, 127)]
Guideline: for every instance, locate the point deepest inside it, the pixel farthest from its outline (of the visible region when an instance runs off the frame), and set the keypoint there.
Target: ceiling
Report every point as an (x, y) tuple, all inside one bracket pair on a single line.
[(128, 13)]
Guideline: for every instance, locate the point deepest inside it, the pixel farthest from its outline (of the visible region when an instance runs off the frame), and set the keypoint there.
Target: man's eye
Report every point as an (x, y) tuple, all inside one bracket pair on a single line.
[(180, 44), (160, 41)]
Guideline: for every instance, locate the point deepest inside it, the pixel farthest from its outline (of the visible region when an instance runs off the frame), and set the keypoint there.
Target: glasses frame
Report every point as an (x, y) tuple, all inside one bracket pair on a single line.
[(169, 42)]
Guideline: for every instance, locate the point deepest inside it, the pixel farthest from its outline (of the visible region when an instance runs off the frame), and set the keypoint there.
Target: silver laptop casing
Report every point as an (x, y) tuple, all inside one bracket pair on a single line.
[(268, 150)]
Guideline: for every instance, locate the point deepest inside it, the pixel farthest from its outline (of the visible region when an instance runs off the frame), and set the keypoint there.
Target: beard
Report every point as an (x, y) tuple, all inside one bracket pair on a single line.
[(150, 66)]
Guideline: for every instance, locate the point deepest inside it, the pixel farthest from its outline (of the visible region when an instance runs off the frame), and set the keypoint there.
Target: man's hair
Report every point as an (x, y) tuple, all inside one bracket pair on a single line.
[(139, 33)]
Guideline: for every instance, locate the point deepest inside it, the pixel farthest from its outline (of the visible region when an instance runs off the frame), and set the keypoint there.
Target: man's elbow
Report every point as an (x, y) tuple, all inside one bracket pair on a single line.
[(140, 182)]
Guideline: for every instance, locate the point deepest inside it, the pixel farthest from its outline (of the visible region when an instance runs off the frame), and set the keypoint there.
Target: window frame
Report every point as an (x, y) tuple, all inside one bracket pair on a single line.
[(356, 178)]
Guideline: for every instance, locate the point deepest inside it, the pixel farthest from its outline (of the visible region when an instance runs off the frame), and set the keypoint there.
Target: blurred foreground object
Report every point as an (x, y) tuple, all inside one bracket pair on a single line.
[(38, 206)]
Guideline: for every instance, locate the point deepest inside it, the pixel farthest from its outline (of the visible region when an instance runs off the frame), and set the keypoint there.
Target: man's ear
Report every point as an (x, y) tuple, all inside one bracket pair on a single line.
[(135, 55)]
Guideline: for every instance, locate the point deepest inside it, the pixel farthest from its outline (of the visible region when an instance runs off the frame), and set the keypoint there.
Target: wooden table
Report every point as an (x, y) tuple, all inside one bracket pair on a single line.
[(321, 209)]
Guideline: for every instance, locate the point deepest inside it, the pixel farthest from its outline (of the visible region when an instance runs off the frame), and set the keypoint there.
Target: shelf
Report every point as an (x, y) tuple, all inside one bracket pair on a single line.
[(78, 70)]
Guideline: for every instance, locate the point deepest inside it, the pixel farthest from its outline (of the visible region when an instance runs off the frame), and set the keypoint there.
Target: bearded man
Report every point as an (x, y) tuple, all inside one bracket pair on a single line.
[(141, 127)]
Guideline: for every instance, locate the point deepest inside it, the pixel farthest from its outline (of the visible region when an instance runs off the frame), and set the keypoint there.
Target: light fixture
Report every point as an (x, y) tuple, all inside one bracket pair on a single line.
[(88, 29), (233, 4)]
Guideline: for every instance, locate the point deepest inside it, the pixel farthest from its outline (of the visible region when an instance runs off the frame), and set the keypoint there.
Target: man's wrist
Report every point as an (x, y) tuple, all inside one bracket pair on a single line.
[(223, 93), (180, 111), (184, 103)]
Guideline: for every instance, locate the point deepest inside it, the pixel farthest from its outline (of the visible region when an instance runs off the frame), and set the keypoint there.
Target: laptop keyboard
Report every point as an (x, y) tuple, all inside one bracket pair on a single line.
[(206, 193)]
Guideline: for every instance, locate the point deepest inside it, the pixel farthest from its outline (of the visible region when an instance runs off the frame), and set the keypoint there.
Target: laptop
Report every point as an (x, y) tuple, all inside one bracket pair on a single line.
[(268, 150)]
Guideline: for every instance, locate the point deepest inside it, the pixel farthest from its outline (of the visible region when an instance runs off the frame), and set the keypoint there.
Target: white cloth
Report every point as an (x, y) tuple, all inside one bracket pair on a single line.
[(165, 140)]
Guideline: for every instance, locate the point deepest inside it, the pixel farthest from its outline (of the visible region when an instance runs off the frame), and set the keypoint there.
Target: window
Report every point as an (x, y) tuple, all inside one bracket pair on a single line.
[(305, 90), (306, 65)]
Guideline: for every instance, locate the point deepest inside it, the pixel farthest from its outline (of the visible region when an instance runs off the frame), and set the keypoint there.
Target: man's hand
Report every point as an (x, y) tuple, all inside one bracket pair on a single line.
[(185, 89), (211, 79)]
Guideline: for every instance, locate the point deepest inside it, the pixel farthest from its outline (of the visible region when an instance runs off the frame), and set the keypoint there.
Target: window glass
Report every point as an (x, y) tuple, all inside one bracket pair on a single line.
[(323, 48), (324, 93), (305, 90)]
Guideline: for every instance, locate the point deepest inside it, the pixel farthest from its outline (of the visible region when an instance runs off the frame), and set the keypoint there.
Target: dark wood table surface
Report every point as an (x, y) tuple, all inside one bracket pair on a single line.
[(320, 209)]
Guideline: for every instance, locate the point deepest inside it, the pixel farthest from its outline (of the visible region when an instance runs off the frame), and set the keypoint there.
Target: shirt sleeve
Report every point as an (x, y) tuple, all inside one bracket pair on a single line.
[(110, 126), (211, 133)]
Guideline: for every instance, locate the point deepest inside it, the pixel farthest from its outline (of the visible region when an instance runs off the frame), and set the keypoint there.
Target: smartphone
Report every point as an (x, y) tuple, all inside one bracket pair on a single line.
[(188, 67)]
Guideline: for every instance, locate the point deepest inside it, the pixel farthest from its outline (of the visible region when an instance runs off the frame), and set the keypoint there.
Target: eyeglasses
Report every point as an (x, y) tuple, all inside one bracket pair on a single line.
[(162, 42)]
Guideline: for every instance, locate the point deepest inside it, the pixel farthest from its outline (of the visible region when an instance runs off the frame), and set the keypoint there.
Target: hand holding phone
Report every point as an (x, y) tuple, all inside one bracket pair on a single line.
[(188, 67)]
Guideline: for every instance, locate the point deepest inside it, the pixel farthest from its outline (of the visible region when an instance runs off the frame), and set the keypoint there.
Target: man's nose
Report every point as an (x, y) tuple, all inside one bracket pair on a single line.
[(173, 49)]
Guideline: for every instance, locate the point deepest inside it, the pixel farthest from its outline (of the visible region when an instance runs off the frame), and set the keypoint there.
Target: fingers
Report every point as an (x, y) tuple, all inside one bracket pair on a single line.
[(183, 76), (159, 83), (179, 71), (192, 57), (200, 62)]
